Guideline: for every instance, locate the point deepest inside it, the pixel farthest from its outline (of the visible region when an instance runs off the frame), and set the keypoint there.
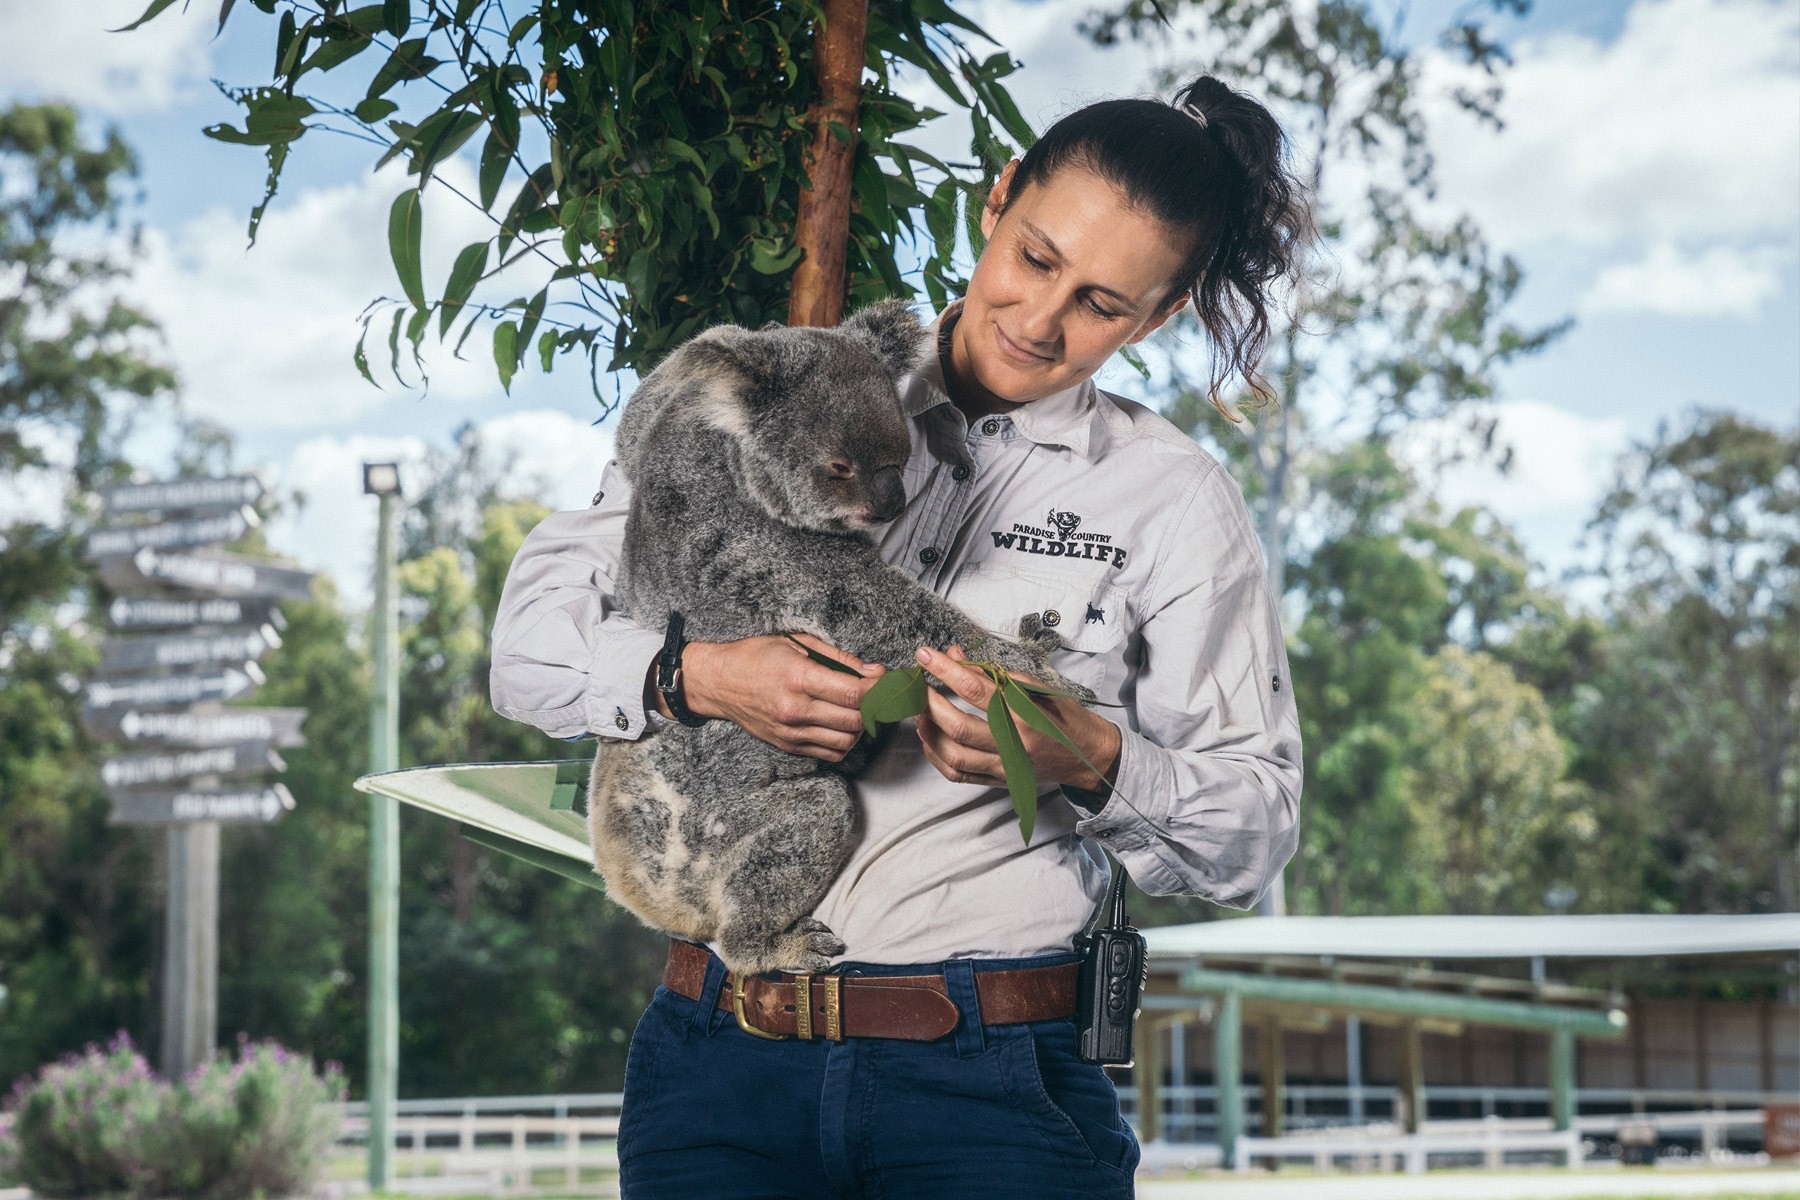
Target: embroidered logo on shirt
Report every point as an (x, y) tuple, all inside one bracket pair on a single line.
[(1061, 539)]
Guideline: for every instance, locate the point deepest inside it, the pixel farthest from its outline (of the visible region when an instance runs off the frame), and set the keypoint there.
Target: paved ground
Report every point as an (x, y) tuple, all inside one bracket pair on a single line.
[(1533, 1185)]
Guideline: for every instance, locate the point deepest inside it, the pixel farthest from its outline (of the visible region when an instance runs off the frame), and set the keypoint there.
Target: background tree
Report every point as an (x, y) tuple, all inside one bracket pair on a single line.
[(1405, 318), (1692, 723), (655, 161), (75, 895)]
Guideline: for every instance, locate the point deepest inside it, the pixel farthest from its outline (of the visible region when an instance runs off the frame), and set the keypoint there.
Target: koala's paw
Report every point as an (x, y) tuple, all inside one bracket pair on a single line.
[(808, 946), (1032, 657)]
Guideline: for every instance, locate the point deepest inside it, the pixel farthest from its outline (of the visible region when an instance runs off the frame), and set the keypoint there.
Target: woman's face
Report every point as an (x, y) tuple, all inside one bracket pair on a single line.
[(1071, 273)]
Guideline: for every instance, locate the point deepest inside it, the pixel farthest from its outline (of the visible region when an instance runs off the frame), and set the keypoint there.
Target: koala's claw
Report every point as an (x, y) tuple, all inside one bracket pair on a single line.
[(808, 946)]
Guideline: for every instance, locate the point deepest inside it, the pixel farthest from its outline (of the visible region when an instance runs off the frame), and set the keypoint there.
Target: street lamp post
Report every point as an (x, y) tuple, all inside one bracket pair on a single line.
[(382, 480)]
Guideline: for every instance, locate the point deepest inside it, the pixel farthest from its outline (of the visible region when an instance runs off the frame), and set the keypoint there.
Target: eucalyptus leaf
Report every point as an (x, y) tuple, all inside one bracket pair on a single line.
[(156, 6), (1021, 779), (899, 694), (822, 659), (404, 231)]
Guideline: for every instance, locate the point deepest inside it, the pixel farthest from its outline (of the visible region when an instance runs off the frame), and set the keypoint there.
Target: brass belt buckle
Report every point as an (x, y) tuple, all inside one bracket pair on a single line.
[(735, 982)]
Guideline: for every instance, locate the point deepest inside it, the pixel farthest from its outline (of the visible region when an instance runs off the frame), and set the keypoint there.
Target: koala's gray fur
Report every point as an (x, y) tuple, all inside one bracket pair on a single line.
[(738, 522)]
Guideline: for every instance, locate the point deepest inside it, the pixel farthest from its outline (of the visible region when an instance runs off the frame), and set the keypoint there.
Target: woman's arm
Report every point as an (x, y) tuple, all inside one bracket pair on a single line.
[(1202, 769), (566, 659)]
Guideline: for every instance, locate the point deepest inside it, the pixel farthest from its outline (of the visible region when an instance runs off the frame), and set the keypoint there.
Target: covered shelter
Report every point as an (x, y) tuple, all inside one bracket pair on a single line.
[(1307, 972)]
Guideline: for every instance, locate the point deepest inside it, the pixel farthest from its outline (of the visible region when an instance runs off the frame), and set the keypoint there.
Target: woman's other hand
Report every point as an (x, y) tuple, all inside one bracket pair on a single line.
[(962, 749), (774, 692)]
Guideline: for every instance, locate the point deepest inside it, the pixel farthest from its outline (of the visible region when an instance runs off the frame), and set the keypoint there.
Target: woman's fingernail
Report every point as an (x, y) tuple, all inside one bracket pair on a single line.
[(922, 654)]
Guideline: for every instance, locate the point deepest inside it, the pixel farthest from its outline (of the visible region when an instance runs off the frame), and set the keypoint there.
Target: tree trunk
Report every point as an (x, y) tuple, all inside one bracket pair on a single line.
[(822, 228)]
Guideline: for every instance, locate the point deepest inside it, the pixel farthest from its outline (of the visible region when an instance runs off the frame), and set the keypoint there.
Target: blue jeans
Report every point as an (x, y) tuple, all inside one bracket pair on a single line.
[(994, 1111)]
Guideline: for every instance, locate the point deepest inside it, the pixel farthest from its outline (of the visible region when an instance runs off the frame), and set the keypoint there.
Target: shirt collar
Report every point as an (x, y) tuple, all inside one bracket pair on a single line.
[(1074, 417)]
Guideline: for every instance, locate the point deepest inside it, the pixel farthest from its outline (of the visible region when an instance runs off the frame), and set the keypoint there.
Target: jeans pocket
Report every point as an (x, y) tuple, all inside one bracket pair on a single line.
[(640, 1071), (1074, 1099)]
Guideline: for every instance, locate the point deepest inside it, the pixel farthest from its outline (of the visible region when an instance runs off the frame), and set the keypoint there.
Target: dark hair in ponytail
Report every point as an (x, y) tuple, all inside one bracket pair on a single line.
[(1211, 162)]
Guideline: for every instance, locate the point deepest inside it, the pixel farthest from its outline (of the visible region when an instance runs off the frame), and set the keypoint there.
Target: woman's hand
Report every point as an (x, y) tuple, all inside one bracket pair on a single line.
[(962, 749), (774, 692)]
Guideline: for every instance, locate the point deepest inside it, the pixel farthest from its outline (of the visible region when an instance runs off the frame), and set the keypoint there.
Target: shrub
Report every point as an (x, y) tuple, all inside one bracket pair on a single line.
[(83, 1124), (9, 1152), (101, 1122)]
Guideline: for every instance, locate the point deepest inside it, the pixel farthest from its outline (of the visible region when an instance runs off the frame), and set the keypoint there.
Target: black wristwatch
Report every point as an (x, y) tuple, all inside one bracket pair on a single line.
[(668, 673)]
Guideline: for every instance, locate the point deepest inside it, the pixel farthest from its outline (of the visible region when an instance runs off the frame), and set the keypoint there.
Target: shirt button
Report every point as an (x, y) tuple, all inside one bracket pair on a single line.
[(1052, 618), (960, 472), (990, 427), (622, 721), (929, 555)]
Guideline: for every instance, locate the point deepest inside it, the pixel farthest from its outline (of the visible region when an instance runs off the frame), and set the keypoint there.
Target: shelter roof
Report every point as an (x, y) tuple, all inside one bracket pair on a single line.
[(1629, 935)]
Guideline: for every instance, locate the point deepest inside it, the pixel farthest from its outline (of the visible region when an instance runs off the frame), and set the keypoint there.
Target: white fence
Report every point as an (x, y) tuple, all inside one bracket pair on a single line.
[(503, 1145)]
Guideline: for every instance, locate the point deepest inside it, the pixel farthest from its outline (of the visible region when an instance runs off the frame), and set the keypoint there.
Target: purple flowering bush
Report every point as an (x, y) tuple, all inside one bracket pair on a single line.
[(102, 1123)]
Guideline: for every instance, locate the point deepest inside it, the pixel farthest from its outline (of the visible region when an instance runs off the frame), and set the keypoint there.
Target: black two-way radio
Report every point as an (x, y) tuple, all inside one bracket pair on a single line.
[(1114, 968)]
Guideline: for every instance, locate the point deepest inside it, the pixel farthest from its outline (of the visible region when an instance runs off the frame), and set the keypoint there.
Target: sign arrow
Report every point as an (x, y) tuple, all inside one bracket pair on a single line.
[(174, 689), (210, 726), (148, 653), (201, 531), (149, 612), (257, 805), (137, 770), (184, 494), (206, 570)]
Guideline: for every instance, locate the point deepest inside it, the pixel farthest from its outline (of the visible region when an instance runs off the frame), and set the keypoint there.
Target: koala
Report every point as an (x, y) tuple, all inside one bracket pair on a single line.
[(761, 464)]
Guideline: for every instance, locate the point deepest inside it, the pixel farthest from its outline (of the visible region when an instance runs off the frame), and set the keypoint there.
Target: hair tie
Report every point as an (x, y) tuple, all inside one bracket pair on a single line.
[(1193, 110)]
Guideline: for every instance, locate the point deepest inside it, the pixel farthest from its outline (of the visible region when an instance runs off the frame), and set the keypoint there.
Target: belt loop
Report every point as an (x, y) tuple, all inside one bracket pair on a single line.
[(959, 982), (707, 1017)]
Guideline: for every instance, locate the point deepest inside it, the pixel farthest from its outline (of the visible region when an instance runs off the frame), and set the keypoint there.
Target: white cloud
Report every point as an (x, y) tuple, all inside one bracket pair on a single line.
[(1562, 462), (1687, 125), (555, 457), (263, 336), (1723, 281), (64, 50), (332, 527)]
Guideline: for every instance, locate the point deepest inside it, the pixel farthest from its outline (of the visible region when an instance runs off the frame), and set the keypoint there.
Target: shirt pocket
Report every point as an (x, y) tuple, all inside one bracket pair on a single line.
[(1087, 613)]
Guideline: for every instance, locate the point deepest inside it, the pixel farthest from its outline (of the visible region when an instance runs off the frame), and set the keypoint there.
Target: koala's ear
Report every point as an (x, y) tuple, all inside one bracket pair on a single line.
[(717, 369), (892, 330)]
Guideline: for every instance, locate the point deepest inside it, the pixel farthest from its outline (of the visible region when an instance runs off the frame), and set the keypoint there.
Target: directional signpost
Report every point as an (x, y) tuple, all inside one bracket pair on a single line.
[(194, 622)]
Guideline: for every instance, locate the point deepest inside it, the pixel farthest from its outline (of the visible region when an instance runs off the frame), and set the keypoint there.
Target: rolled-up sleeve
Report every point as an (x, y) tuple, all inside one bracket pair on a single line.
[(1206, 797), (566, 660)]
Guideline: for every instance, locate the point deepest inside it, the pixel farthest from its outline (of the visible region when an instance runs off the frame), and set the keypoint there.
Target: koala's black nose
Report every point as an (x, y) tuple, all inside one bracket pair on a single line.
[(887, 495)]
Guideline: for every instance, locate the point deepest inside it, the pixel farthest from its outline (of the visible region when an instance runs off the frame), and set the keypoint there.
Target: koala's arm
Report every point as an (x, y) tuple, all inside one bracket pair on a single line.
[(565, 658), (872, 610)]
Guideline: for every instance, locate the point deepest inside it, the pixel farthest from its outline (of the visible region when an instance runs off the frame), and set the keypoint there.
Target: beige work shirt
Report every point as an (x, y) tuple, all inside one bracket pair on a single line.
[(1130, 540)]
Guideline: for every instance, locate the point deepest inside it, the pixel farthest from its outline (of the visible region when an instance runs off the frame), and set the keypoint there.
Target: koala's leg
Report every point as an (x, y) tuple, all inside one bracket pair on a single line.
[(780, 874), (636, 833)]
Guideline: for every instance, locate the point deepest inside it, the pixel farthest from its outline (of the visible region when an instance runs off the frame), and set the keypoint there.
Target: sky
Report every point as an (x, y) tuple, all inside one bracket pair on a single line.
[(1647, 179)]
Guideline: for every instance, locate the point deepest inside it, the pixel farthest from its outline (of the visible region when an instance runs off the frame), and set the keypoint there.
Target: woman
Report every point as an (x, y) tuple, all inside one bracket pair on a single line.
[(954, 1070)]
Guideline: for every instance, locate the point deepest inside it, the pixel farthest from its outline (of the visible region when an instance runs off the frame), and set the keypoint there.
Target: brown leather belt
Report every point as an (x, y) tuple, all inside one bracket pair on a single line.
[(914, 1007)]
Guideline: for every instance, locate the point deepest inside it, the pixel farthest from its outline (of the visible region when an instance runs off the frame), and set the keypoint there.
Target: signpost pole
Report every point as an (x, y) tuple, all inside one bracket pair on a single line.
[(384, 854), (190, 957)]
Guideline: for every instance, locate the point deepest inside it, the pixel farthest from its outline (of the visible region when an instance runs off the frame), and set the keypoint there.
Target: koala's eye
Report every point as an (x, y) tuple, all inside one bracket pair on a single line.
[(840, 468)]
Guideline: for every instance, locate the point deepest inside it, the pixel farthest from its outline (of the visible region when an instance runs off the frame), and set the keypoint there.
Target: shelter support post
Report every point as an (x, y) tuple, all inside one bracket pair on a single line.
[(1412, 1076), (1562, 1078), (1146, 1070), (1272, 1072), (1228, 1030)]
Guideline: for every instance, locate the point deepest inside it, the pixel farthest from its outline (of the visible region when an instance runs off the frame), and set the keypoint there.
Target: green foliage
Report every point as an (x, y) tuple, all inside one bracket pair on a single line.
[(1423, 745), (100, 1123), (73, 369), (1690, 722), (75, 895), (641, 170)]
